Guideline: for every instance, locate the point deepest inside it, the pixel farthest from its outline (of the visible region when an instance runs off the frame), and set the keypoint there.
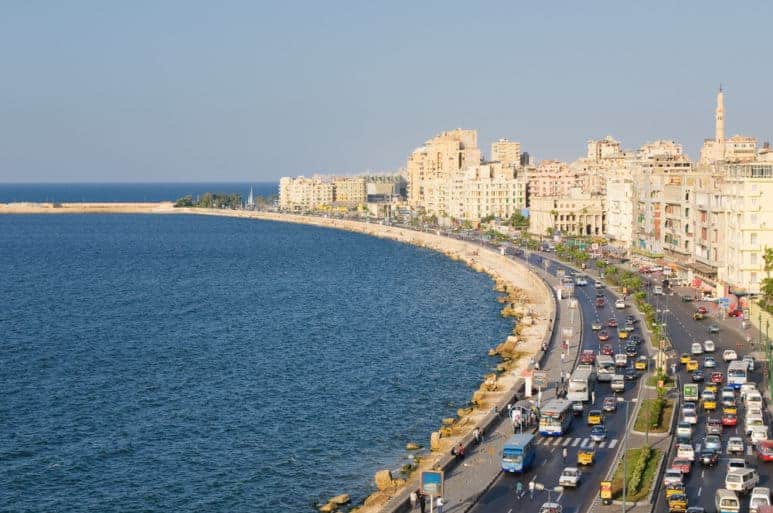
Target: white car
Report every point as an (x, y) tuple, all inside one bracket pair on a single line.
[(760, 497), (735, 445), (746, 388), (709, 346), (753, 420), (736, 463), (672, 476), (696, 348), (657, 290), (685, 451), (620, 304), (621, 360), (598, 285), (749, 359), (570, 477), (729, 355), (581, 281)]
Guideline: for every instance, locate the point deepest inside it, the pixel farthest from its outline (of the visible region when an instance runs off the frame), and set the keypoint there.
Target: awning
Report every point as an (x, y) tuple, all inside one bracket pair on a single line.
[(703, 268)]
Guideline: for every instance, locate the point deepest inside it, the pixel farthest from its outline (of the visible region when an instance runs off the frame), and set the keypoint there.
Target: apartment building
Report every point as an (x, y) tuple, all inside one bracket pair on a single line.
[(489, 189), (554, 178), (506, 152), (350, 191), (621, 213), (302, 193)]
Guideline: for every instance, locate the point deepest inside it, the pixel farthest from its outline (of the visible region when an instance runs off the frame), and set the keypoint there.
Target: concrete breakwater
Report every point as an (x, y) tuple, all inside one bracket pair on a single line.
[(524, 297)]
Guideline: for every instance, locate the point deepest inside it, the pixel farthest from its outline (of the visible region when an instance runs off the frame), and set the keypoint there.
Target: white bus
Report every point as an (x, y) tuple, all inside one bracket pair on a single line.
[(736, 373), (605, 367), (580, 384), (555, 417)]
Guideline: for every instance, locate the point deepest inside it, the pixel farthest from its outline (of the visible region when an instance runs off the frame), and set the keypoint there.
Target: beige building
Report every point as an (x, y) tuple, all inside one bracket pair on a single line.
[(349, 191), (508, 153), (603, 149), (431, 166), (305, 193), (490, 189), (576, 213), (554, 178), (620, 211), (738, 148)]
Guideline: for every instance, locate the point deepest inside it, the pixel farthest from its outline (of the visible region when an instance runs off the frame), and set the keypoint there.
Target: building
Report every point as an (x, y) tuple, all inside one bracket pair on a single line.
[(489, 189), (738, 148), (431, 166), (300, 194), (620, 210), (709, 208), (602, 149), (349, 191), (553, 178), (748, 193), (575, 214), (508, 153)]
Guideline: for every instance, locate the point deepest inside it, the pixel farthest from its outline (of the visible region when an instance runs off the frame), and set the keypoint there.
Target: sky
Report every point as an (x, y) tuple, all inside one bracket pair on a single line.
[(191, 90)]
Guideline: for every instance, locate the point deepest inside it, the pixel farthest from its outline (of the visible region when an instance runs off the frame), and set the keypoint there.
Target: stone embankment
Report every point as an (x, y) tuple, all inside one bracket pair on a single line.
[(525, 298)]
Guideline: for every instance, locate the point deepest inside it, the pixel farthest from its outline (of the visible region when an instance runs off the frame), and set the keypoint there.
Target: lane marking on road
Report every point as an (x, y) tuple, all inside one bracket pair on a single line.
[(602, 444), (566, 442), (700, 489), (585, 442), (698, 447), (703, 473), (613, 443), (576, 442)]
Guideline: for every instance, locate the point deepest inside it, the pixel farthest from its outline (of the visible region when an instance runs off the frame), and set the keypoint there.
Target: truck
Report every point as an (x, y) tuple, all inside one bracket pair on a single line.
[(580, 384), (690, 392)]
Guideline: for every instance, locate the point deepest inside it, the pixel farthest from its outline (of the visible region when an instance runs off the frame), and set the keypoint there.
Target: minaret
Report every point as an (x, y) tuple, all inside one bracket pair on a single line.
[(720, 117)]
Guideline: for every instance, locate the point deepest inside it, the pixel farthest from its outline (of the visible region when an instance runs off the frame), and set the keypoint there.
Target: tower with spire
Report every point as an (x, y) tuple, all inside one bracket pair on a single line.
[(719, 118), (251, 200)]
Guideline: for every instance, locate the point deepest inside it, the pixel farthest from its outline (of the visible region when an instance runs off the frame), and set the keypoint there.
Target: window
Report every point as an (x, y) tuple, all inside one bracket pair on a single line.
[(753, 239), (753, 278)]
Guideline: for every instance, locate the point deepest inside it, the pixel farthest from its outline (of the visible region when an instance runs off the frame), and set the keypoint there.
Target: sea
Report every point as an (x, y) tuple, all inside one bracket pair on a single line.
[(209, 364)]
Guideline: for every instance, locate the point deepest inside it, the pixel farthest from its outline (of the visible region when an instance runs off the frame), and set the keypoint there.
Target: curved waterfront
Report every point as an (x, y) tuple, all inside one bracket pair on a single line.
[(202, 363)]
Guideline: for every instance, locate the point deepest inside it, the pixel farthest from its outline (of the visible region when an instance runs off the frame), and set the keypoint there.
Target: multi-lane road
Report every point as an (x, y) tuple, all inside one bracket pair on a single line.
[(501, 495)]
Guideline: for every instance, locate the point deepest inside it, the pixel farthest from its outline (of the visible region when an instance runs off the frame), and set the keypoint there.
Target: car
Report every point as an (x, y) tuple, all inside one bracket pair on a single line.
[(709, 362), (729, 420), (598, 433), (585, 457), (749, 359), (746, 388), (684, 358), (709, 400), (713, 426), (709, 346), (684, 431), (603, 335), (581, 281), (760, 497), (702, 310), (595, 417), (588, 356), (599, 302), (697, 316), (551, 507), (598, 285), (709, 458), (711, 387), (631, 350), (607, 350), (729, 355), (631, 318), (620, 304), (621, 360), (641, 363), (697, 376), (577, 408), (735, 445), (692, 365), (695, 509), (696, 348), (609, 404), (630, 374), (716, 378), (685, 451), (677, 503), (686, 298), (712, 443), (629, 327), (729, 410), (622, 334), (672, 476), (739, 463), (569, 477), (612, 323), (682, 464), (596, 326), (764, 450), (674, 488), (728, 396), (714, 328), (752, 422)]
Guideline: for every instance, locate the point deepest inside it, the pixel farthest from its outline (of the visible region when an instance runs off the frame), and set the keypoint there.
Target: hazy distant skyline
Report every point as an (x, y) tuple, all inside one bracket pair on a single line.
[(197, 91)]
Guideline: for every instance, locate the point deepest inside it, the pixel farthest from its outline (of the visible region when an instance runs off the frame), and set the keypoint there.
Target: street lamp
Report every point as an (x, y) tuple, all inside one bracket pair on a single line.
[(625, 450)]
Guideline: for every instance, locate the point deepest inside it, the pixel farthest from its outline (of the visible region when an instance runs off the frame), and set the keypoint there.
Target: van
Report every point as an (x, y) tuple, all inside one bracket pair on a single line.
[(758, 434), (726, 501), (741, 480), (753, 399)]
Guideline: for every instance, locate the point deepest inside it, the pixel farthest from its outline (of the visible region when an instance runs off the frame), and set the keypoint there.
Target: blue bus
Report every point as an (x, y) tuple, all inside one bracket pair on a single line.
[(518, 453)]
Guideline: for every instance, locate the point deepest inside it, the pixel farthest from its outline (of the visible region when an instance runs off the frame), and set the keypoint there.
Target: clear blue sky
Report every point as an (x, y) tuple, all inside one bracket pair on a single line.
[(202, 90)]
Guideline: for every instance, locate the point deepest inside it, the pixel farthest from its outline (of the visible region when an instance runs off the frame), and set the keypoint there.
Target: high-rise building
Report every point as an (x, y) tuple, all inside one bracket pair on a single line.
[(349, 191), (302, 193), (489, 189), (508, 153)]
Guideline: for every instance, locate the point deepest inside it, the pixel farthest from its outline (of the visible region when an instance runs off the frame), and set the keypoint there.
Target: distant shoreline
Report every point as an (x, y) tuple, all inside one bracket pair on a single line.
[(503, 270)]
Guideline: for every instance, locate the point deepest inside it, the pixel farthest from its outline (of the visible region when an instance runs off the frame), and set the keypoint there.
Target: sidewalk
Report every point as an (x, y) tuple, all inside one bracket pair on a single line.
[(472, 478)]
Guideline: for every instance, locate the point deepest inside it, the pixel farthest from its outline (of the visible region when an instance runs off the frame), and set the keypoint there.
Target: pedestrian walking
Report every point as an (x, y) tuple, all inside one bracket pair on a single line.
[(563, 357), (422, 501), (536, 365), (414, 499), (531, 490), (439, 503), (476, 435), (564, 453)]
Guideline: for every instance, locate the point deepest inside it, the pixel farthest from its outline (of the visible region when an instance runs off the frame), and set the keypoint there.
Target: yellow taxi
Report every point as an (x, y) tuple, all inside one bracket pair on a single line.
[(594, 417), (684, 358), (677, 503), (622, 334), (709, 401), (731, 410), (692, 365), (640, 363), (674, 489), (585, 457), (711, 388)]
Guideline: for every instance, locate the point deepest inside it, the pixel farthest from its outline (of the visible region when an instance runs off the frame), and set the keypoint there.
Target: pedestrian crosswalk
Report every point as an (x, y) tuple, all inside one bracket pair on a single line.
[(578, 441)]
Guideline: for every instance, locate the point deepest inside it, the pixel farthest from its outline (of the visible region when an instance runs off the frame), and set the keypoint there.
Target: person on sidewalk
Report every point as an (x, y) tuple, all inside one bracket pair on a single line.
[(439, 503), (531, 490), (414, 499), (422, 501), (476, 435)]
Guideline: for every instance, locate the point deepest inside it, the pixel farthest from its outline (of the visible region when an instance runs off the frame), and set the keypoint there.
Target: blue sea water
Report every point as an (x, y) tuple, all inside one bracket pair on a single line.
[(184, 363), (125, 192)]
